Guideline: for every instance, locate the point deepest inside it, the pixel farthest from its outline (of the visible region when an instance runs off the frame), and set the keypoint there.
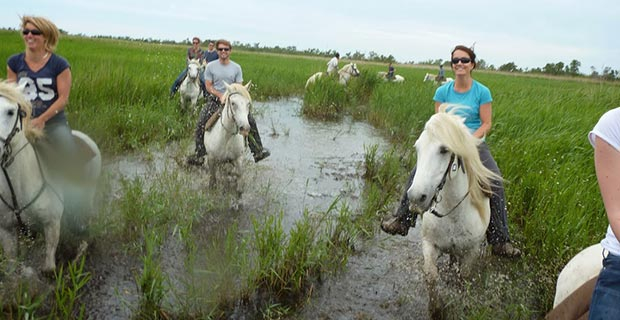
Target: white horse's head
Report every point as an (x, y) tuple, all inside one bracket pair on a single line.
[(444, 149), (238, 104), (351, 69), (193, 68), (15, 113)]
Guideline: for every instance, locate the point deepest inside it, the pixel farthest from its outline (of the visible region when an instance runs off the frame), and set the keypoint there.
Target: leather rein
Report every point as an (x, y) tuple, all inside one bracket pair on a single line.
[(452, 166), (5, 162)]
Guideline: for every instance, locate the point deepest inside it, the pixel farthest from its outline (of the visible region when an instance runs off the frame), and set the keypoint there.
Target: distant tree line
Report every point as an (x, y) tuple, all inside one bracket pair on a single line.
[(556, 69)]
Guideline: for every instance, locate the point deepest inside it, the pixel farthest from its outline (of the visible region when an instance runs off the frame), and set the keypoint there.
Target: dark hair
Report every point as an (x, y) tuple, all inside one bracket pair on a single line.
[(469, 51), (224, 42), (337, 55)]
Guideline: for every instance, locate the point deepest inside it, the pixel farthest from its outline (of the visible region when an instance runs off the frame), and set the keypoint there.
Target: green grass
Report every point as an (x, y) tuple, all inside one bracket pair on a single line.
[(120, 97)]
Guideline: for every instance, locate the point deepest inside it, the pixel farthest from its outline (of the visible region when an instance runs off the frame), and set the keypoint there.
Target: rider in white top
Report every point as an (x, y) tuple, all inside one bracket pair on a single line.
[(605, 137), (332, 65)]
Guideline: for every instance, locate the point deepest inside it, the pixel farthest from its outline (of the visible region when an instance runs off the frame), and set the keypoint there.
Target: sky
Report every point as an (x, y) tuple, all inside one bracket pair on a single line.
[(529, 33)]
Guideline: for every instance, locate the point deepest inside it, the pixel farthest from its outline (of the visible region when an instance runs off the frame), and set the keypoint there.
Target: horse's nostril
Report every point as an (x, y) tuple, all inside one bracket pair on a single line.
[(423, 198)]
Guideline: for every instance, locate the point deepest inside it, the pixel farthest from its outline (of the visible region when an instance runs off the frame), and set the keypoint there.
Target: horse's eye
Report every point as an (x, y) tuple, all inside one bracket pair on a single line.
[(11, 113), (443, 150)]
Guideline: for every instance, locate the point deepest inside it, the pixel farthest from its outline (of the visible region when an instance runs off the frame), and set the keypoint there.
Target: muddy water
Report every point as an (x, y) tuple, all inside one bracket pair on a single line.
[(312, 163)]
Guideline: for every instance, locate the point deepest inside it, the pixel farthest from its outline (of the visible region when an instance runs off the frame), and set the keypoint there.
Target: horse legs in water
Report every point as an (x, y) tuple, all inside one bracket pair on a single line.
[(431, 277), (9, 245), (52, 235)]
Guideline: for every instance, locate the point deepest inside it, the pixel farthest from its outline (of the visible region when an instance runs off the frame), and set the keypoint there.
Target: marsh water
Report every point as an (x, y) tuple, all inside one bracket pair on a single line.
[(312, 164)]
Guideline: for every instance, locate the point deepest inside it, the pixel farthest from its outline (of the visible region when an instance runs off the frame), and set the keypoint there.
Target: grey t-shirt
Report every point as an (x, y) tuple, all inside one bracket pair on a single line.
[(218, 73)]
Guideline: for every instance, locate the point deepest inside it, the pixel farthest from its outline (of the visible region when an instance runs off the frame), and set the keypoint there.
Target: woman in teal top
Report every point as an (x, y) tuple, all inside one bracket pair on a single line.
[(474, 100)]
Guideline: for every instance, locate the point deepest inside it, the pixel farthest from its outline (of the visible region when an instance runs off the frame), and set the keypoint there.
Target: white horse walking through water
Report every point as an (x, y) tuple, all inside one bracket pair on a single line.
[(226, 140), (30, 194), (190, 87), (344, 75), (449, 189)]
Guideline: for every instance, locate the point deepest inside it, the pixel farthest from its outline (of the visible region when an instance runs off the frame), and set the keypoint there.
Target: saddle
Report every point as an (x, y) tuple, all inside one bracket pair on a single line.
[(213, 119), (576, 305), (71, 169)]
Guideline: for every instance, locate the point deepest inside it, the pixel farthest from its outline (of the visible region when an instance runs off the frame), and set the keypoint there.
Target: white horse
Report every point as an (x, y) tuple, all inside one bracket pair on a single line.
[(30, 195), (449, 187), (397, 77), (582, 268), (190, 87), (344, 75), (432, 77), (226, 140)]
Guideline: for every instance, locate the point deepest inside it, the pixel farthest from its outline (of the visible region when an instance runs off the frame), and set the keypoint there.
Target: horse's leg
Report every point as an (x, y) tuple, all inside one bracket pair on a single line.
[(237, 174), (212, 172), (431, 274), (9, 246), (52, 234), (467, 261)]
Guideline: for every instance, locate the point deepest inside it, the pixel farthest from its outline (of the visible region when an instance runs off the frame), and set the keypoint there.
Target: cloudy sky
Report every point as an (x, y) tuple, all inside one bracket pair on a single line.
[(530, 33)]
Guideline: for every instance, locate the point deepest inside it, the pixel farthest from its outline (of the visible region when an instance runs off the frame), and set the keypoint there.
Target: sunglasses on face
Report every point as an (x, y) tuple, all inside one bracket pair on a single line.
[(462, 60), (223, 49), (34, 32)]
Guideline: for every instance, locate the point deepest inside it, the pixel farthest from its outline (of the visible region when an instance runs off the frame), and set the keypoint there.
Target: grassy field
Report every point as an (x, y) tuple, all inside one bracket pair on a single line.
[(120, 97)]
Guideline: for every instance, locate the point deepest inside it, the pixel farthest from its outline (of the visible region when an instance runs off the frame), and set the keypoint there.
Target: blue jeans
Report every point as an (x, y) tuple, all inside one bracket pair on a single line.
[(605, 302)]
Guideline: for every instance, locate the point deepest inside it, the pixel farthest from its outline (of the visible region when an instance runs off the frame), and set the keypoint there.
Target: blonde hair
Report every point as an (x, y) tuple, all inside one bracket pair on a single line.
[(12, 92), (48, 29)]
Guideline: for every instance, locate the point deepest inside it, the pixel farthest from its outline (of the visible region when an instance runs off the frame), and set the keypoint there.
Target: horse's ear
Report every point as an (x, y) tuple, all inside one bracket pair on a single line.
[(226, 85), (21, 86), (248, 85)]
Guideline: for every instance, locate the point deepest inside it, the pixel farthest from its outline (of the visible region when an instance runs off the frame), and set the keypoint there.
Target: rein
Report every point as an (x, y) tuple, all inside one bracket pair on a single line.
[(232, 115), (5, 162), (451, 166)]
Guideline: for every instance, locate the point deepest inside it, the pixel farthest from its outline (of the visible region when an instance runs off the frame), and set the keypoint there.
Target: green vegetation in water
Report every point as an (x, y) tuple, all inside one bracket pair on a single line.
[(120, 98)]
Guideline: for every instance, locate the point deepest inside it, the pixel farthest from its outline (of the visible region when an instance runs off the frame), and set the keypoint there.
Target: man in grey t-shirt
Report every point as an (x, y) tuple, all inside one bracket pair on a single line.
[(220, 71)]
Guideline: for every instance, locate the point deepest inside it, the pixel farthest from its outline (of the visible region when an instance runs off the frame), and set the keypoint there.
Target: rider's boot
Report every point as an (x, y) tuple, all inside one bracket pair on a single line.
[(255, 143)]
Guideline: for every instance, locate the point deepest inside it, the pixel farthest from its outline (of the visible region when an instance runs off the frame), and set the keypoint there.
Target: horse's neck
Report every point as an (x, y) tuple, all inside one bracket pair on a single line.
[(344, 75), (23, 171), (455, 189), (227, 120)]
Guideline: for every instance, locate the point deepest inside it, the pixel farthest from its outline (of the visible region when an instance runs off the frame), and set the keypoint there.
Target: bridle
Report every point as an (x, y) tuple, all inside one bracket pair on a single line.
[(5, 162), (452, 166), (231, 112)]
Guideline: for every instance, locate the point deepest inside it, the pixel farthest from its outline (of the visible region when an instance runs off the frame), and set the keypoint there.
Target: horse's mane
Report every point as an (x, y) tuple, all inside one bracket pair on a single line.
[(347, 67), (450, 129), (13, 93), (237, 88)]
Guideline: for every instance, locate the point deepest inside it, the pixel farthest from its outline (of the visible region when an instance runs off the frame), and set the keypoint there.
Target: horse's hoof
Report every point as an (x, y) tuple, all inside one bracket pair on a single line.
[(396, 225), (506, 249)]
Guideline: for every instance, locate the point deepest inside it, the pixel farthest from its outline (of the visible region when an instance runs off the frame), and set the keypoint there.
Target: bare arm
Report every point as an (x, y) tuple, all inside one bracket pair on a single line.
[(607, 164), (211, 90), (10, 75), (485, 117), (63, 82)]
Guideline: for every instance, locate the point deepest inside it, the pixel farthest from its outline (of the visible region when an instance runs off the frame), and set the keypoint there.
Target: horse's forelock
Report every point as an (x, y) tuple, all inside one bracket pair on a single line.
[(449, 129), (237, 88)]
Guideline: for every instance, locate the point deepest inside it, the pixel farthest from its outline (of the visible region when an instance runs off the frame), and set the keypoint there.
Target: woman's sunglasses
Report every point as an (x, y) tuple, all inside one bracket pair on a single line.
[(34, 32), (462, 60)]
